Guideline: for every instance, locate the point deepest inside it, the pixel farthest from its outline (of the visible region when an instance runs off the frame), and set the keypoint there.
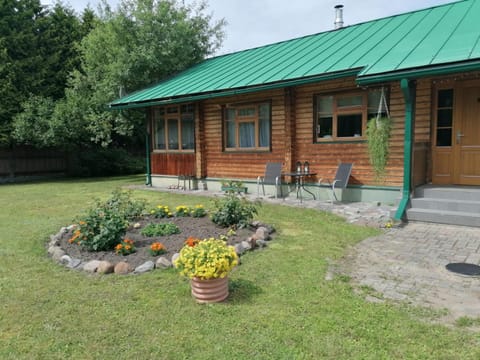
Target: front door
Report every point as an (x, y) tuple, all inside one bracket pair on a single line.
[(456, 143), (466, 135)]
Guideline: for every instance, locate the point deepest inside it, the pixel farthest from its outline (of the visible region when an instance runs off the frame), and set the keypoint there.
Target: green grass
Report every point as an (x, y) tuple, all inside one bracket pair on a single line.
[(280, 306)]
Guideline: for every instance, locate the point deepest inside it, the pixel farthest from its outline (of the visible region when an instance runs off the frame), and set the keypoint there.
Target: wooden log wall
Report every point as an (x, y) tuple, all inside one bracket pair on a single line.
[(249, 164), (293, 137)]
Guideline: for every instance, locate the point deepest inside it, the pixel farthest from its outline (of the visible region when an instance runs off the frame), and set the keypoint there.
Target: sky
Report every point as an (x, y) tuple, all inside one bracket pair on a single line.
[(253, 23)]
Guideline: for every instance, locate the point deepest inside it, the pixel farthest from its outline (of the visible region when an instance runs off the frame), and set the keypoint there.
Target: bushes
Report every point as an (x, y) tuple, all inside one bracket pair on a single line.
[(105, 162), (106, 223), (233, 211)]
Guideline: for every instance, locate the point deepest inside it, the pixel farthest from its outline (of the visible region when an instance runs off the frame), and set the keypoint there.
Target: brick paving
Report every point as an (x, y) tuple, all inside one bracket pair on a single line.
[(408, 264)]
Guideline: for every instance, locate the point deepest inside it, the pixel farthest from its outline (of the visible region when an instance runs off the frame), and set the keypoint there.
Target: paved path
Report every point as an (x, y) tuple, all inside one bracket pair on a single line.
[(408, 263)]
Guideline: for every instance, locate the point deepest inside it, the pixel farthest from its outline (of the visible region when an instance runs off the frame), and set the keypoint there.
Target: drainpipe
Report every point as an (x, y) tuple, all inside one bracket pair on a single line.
[(408, 89), (147, 156)]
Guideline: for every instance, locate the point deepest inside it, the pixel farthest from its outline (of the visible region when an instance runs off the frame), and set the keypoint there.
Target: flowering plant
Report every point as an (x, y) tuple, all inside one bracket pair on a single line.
[(161, 211), (198, 211), (182, 211), (157, 248), (208, 259), (126, 247)]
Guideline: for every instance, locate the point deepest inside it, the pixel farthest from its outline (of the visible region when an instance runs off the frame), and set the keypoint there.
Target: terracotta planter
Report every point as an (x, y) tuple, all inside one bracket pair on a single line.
[(209, 291)]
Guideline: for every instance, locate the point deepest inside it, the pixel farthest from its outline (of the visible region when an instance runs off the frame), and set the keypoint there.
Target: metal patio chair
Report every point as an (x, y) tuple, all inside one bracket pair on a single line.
[(273, 176), (341, 178)]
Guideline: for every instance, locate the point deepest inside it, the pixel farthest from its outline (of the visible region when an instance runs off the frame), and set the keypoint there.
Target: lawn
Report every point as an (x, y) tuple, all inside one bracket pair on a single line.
[(280, 306)]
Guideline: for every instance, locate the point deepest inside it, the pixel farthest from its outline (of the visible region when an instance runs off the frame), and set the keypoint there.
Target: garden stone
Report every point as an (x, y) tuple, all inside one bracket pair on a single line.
[(91, 266), (54, 241), (262, 233), (239, 249), (56, 252), (74, 263), (175, 257), (105, 267), (145, 267), (252, 240), (163, 263), (122, 268), (261, 243), (65, 260), (246, 246)]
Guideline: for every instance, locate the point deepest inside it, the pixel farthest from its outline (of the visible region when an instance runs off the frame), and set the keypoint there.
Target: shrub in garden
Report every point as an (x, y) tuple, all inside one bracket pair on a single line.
[(233, 210), (160, 229), (106, 223)]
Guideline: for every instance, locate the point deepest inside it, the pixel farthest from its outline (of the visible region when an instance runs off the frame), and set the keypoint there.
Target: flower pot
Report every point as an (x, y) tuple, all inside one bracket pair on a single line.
[(210, 290)]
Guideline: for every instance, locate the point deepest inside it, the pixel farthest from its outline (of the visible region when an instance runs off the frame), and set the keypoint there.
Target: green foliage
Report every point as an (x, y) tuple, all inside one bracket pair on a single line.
[(141, 42), (38, 51), (378, 135), (198, 211), (126, 247), (233, 186), (160, 229), (105, 224), (233, 210), (182, 211), (161, 211), (98, 161)]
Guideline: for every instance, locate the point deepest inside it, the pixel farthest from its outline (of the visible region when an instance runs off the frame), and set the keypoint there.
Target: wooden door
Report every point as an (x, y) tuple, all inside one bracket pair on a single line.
[(466, 134)]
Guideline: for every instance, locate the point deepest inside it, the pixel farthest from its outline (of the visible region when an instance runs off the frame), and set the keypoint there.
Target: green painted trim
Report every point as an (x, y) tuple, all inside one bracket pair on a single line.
[(247, 90), (416, 73), (409, 95), (147, 159)]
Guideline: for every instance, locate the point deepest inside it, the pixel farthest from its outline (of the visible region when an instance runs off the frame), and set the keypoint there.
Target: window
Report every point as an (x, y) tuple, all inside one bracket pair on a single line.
[(174, 128), (444, 117), (344, 116), (247, 127)]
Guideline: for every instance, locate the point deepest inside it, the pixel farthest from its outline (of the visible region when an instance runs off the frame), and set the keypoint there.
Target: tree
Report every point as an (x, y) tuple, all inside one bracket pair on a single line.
[(142, 42), (38, 51), (20, 63)]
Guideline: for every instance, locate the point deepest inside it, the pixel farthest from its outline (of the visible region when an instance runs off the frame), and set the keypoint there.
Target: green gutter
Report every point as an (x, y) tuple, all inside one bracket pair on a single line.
[(417, 73), (408, 89), (246, 90)]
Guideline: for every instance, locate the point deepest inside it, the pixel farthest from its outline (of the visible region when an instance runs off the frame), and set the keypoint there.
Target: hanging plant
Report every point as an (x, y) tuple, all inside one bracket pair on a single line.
[(378, 135)]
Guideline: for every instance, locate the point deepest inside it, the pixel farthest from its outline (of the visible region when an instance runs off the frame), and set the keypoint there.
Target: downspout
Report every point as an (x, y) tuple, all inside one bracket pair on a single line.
[(148, 180), (408, 90)]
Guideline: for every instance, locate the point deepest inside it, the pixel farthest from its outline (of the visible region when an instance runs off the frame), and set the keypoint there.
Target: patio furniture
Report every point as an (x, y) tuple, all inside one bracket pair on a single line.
[(273, 176), (341, 178)]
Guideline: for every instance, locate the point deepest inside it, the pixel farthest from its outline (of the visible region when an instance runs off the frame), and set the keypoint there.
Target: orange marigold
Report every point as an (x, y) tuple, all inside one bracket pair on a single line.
[(192, 241)]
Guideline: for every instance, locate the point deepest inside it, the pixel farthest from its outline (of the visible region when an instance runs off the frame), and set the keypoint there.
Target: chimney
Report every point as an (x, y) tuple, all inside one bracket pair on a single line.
[(338, 17)]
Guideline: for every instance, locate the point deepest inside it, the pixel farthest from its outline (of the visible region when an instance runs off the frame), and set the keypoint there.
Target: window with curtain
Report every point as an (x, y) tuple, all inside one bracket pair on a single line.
[(174, 128), (247, 127), (344, 116)]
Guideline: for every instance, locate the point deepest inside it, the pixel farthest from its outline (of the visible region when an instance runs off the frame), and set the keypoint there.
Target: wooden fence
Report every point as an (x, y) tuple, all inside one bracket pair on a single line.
[(22, 162)]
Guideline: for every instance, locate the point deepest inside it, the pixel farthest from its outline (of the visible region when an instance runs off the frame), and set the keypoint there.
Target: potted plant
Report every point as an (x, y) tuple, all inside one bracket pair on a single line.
[(207, 264)]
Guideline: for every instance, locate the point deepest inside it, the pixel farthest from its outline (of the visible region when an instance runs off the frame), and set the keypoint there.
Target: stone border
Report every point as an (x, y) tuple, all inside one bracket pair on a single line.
[(262, 233)]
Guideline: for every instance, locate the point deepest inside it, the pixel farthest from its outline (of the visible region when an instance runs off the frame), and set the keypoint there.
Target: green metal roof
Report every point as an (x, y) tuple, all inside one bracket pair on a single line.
[(442, 38)]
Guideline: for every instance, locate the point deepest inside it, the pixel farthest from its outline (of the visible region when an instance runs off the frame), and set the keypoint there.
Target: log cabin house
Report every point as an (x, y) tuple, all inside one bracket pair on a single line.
[(310, 98)]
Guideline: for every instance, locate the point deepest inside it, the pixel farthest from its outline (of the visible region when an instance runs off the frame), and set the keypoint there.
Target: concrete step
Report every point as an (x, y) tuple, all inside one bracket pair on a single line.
[(444, 217), (468, 193), (446, 205)]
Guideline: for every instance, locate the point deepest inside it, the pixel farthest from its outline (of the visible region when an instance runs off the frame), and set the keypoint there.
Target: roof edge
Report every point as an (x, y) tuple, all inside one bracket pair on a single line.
[(237, 91), (443, 69)]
